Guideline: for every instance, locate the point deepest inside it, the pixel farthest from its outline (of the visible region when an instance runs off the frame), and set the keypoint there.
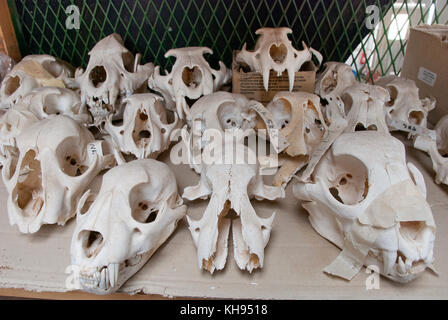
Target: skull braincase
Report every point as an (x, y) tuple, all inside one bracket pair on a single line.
[(33, 72), (405, 104), (231, 186), (113, 73), (364, 107), (50, 173), (330, 85), (191, 77), (274, 51), (119, 229), (145, 131), (365, 199)]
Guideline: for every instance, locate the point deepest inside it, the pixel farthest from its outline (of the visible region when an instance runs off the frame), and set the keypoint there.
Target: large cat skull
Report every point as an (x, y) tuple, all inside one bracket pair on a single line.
[(33, 72), (111, 75), (191, 77), (145, 132), (364, 107), (231, 185), (299, 116), (365, 199), (330, 85), (404, 105), (118, 230), (274, 51), (57, 159), (437, 149)]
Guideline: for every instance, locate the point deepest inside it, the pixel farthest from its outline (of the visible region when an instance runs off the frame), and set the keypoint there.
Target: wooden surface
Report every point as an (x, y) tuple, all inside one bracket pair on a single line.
[(8, 40)]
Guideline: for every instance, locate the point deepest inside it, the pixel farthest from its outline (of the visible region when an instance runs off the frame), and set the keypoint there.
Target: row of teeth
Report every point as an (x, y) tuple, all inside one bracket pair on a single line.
[(403, 266), (105, 279), (106, 98)]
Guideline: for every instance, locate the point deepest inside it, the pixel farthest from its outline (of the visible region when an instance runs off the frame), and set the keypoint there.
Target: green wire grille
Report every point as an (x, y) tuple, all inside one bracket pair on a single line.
[(336, 28)]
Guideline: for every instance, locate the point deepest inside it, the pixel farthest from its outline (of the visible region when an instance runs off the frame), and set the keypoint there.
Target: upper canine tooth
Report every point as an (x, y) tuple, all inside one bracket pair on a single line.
[(389, 258)]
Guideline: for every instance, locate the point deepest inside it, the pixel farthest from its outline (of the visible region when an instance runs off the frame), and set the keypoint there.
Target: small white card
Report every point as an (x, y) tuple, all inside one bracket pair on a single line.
[(427, 76)]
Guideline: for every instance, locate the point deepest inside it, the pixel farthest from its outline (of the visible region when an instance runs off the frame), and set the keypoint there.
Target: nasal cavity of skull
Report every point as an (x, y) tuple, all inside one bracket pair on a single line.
[(416, 117), (98, 76), (192, 77), (278, 53), (92, 242), (12, 85), (145, 212), (73, 167), (411, 230), (51, 104), (29, 186), (362, 127)]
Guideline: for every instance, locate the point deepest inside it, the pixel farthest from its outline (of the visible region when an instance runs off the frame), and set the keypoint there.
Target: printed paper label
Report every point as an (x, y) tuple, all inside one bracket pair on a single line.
[(427, 76)]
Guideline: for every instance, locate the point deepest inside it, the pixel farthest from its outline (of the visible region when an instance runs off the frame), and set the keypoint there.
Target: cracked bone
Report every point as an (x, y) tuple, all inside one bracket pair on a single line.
[(368, 201), (274, 51), (231, 186), (113, 74), (119, 229)]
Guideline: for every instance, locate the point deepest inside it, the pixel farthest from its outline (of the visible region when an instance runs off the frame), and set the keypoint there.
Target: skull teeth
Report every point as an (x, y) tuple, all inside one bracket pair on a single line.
[(105, 279)]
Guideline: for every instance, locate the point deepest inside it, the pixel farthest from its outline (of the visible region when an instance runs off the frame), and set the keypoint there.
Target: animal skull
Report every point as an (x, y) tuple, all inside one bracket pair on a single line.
[(112, 75), (231, 186), (330, 85), (191, 77), (364, 107), (57, 160), (404, 105), (437, 150), (365, 199), (119, 229), (299, 116), (274, 51), (145, 132), (33, 72)]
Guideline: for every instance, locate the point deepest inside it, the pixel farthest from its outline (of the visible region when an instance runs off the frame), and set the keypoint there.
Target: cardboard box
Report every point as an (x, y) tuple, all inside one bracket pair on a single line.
[(426, 62), (250, 84), (294, 257)]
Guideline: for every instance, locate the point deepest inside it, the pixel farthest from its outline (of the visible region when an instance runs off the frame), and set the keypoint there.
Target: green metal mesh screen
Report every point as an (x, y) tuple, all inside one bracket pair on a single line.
[(336, 28)]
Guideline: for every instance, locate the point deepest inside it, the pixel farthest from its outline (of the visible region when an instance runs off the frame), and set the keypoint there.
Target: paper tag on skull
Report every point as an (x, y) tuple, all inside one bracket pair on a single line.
[(95, 149)]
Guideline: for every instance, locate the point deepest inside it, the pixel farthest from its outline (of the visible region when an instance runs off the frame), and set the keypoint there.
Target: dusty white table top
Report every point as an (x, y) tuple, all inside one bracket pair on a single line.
[(294, 257)]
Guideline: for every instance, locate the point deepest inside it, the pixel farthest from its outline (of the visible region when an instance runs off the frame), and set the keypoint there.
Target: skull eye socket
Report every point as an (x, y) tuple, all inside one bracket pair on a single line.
[(70, 162), (278, 53), (12, 84), (393, 93), (53, 68), (128, 61), (416, 117), (98, 76), (143, 208), (349, 183)]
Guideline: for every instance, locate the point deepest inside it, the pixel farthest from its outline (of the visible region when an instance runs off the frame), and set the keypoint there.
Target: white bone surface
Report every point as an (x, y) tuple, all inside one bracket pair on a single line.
[(405, 104), (145, 131), (274, 51), (119, 228), (191, 77), (32, 72), (330, 85), (437, 150), (294, 258), (113, 73), (49, 173), (368, 201), (231, 186)]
